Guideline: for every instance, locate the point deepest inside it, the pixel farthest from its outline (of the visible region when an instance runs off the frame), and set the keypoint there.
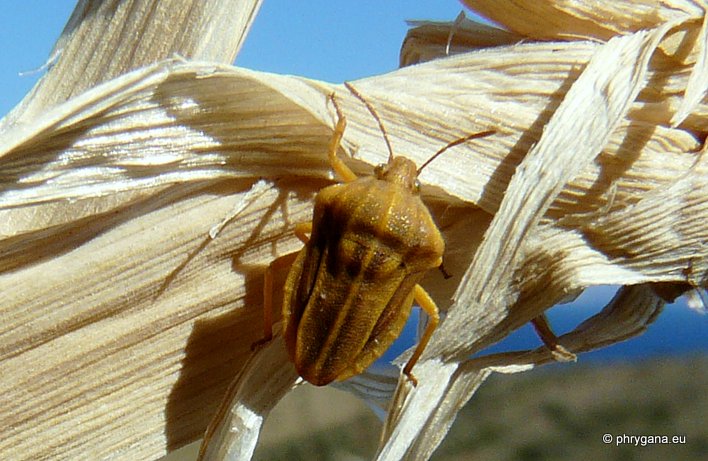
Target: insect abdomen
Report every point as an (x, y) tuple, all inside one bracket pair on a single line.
[(345, 306)]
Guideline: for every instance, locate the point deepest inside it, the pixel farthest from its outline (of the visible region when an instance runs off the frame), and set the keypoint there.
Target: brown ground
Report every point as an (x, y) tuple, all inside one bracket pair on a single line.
[(559, 413)]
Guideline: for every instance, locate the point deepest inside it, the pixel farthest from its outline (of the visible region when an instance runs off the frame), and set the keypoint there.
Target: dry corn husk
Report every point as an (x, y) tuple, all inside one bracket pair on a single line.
[(124, 320)]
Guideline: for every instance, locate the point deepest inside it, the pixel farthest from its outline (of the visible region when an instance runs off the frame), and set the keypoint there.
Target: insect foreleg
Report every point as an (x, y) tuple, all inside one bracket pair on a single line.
[(428, 305), (339, 167)]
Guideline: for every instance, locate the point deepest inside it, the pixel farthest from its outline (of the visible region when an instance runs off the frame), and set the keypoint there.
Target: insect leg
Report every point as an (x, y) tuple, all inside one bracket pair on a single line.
[(428, 305), (445, 273), (339, 167), (301, 230), (275, 265), (543, 330)]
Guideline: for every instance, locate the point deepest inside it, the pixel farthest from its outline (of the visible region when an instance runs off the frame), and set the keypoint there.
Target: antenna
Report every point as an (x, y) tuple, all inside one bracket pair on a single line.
[(361, 98), (454, 143)]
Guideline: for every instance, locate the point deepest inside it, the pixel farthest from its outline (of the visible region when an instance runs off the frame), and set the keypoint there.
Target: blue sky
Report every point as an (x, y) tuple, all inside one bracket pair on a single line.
[(28, 30), (324, 40), (320, 39)]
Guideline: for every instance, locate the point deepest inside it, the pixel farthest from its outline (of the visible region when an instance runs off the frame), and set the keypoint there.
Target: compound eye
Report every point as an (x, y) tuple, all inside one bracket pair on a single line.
[(416, 185), (379, 170)]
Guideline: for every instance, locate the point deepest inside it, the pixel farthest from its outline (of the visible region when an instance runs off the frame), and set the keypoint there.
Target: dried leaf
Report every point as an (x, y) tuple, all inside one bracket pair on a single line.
[(137, 217), (604, 19)]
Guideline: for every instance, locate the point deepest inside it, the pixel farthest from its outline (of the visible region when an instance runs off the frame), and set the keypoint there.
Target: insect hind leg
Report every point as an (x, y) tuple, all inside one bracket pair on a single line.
[(301, 230), (428, 305), (544, 331), (268, 277)]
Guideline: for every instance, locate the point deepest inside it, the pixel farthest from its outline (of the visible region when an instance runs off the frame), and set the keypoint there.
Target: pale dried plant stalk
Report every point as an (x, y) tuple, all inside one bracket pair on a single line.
[(124, 320)]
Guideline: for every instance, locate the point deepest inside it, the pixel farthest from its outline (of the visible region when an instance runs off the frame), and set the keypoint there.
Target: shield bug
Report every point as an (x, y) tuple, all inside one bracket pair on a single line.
[(350, 289)]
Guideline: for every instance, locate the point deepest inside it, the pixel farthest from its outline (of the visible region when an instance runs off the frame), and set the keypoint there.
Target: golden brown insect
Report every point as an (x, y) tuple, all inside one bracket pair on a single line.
[(350, 289)]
